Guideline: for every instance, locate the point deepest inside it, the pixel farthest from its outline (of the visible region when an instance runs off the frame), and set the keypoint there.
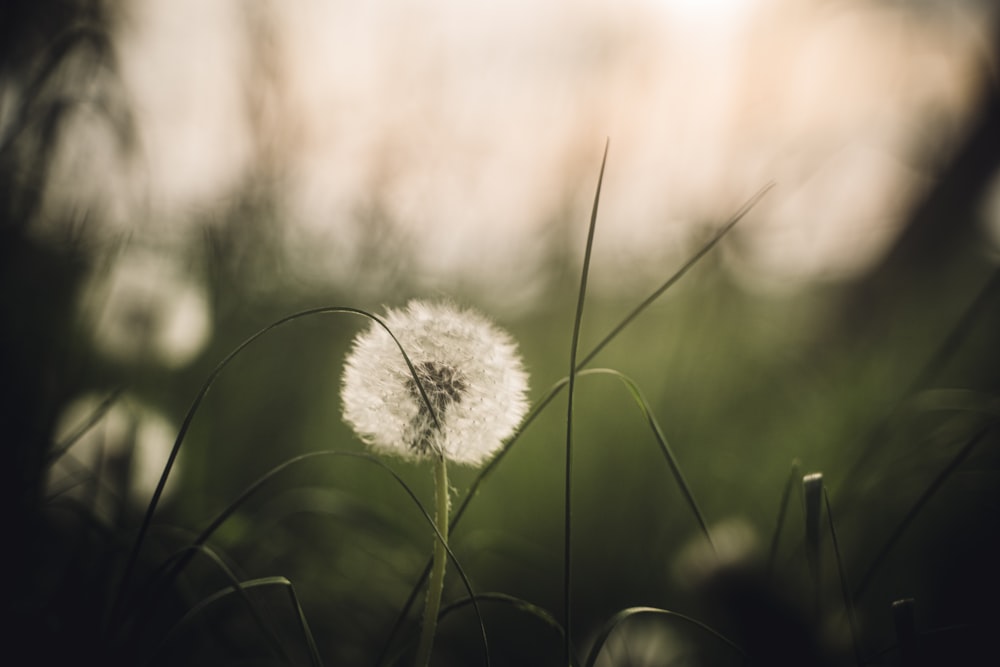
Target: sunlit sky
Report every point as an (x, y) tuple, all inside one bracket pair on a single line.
[(472, 127)]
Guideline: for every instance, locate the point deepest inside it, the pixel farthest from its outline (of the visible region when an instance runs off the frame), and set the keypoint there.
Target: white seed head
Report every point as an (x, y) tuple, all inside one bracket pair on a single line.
[(470, 371)]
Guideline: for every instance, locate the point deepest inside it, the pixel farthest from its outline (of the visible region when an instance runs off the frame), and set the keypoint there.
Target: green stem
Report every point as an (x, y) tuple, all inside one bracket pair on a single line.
[(435, 585)]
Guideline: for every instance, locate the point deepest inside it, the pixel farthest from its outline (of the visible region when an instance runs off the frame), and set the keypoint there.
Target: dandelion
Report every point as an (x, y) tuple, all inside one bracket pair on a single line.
[(465, 394), (469, 369)]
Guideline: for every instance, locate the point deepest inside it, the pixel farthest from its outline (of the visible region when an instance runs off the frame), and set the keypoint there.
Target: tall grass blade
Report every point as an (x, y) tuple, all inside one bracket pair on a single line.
[(570, 390)]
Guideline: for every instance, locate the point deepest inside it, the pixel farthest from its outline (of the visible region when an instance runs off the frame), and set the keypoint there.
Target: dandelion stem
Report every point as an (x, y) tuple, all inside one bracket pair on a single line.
[(435, 585)]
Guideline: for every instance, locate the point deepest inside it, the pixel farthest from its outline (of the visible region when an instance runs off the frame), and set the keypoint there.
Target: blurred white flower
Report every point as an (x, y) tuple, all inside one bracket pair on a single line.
[(118, 460), (645, 641), (147, 308), (470, 370), (736, 545)]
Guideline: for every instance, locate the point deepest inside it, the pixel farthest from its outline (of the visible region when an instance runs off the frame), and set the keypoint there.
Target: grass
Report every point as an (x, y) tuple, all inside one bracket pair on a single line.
[(630, 507)]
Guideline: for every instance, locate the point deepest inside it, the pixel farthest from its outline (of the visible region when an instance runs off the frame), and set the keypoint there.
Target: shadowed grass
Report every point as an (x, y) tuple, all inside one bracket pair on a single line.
[(241, 589), (172, 568), (519, 604), (625, 614), (924, 498), (845, 589)]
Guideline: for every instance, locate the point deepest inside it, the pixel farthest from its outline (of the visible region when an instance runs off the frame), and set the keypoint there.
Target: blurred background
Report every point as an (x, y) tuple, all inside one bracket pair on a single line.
[(176, 175)]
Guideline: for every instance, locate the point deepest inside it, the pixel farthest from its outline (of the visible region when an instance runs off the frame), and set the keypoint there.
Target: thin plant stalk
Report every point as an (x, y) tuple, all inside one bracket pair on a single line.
[(435, 585), (786, 494), (570, 390), (812, 487)]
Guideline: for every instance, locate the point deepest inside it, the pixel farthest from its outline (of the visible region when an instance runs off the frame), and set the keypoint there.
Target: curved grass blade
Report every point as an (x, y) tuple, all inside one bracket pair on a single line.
[(236, 587), (158, 492), (570, 390), (626, 614), (517, 603), (241, 588), (661, 440), (173, 567)]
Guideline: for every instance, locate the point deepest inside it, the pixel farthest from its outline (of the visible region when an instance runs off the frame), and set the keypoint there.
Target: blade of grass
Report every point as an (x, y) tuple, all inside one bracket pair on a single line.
[(570, 390), (678, 274), (158, 492), (241, 588), (786, 495), (517, 603), (236, 587), (812, 493), (661, 440), (174, 566), (631, 612)]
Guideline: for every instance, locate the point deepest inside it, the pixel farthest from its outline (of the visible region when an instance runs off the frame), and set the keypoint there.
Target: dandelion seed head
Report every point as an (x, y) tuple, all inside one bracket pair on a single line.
[(470, 371)]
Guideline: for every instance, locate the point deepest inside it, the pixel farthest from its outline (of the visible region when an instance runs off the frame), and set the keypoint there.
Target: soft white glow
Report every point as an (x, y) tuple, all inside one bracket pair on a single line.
[(448, 136), (118, 460)]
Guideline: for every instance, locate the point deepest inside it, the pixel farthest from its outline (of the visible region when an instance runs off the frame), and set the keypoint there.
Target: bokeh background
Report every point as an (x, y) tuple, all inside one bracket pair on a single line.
[(176, 175)]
